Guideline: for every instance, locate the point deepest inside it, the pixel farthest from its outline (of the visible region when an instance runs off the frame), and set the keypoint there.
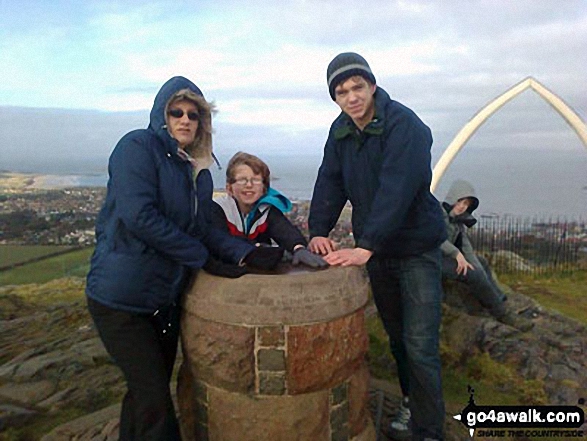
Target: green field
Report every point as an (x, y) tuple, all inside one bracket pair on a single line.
[(75, 263), (14, 254)]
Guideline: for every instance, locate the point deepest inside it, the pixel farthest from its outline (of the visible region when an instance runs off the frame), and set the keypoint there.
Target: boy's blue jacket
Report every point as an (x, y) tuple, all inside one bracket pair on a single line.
[(384, 171), (150, 231), (271, 197)]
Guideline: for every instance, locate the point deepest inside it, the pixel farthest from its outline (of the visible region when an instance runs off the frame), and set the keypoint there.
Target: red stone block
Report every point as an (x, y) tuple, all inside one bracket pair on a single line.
[(358, 400), (220, 354), (272, 336), (237, 417), (323, 355)]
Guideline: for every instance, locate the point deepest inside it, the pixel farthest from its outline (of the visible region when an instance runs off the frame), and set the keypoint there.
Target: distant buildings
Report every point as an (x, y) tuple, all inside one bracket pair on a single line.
[(50, 217), (67, 217)]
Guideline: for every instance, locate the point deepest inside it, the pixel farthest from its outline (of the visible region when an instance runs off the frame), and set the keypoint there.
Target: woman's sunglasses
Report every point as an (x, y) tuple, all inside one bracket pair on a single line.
[(178, 113)]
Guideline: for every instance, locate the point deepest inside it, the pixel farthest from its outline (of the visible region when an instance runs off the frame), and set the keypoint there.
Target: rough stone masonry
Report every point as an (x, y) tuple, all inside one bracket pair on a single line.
[(276, 357)]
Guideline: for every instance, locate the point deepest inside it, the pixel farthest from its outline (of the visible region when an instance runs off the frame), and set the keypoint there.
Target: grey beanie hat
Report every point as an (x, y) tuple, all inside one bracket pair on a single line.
[(344, 66)]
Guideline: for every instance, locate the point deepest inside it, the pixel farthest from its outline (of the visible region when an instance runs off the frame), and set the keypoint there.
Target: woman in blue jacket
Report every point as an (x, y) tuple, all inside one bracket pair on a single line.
[(152, 231)]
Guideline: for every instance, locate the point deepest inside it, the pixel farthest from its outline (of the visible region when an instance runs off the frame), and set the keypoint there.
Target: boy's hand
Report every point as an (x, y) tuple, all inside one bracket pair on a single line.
[(349, 256), (321, 245), (302, 255)]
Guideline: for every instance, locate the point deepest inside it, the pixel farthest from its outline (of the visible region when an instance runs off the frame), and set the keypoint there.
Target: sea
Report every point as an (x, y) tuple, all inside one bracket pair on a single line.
[(530, 183)]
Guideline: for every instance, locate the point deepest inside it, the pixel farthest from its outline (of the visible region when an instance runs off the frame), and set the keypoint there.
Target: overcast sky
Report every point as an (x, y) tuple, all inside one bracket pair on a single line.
[(76, 75)]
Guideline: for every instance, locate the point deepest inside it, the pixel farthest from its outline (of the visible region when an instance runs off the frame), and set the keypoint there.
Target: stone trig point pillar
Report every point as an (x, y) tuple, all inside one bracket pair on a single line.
[(276, 358)]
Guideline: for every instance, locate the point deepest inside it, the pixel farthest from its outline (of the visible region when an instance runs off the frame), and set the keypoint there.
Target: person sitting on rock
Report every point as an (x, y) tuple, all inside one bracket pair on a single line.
[(461, 263), (253, 211)]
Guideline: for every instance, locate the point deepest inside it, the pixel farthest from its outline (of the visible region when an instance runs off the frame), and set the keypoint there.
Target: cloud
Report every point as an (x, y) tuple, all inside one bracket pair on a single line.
[(33, 137), (264, 63), (292, 115), (78, 75)]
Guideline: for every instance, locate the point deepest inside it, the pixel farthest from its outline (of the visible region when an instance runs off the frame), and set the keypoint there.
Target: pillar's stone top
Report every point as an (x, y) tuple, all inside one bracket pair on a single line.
[(293, 298)]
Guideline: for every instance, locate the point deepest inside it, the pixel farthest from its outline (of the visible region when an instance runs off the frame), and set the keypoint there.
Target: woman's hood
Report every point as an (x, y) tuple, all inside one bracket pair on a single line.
[(171, 87), (203, 152)]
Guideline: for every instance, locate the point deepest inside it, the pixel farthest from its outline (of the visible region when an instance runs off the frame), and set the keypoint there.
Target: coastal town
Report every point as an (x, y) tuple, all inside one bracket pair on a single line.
[(39, 216), (33, 215), (50, 217)]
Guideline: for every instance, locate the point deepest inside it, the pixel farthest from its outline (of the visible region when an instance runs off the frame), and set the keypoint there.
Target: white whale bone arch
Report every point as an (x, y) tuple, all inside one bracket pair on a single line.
[(568, 114)]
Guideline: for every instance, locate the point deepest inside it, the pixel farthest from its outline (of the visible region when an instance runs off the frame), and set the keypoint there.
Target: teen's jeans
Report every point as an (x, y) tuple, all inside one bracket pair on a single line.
[(146, 356), (480, 281), (408, 295)]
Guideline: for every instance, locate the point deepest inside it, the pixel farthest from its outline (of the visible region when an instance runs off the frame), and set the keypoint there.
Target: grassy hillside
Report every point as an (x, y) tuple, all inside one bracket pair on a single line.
[(14, 254), (73, 264)]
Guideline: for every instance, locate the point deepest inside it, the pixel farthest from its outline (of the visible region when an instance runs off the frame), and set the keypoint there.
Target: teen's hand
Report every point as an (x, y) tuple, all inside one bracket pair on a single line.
[(349, 256), (463, 265), (321, 245)]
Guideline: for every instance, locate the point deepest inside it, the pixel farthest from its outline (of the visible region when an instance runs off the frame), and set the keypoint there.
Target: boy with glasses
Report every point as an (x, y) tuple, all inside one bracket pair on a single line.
[(253, 211)]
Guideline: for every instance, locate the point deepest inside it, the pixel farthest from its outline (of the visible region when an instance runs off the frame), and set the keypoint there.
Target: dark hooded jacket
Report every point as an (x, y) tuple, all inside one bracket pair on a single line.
[(155, 223), (456, 226), (384, 171)]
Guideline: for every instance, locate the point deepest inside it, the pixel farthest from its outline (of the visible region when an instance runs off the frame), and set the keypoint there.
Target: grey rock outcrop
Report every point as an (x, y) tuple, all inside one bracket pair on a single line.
[(51, 360), (510, 261), (552, 353)]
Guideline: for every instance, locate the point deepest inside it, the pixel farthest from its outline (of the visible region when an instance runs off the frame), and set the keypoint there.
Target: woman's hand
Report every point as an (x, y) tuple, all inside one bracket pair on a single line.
[(462, 265), (264, 258)]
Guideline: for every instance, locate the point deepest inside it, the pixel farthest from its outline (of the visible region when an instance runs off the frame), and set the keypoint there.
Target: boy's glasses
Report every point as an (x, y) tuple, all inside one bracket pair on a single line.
[(244, 181), (178, 113)]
